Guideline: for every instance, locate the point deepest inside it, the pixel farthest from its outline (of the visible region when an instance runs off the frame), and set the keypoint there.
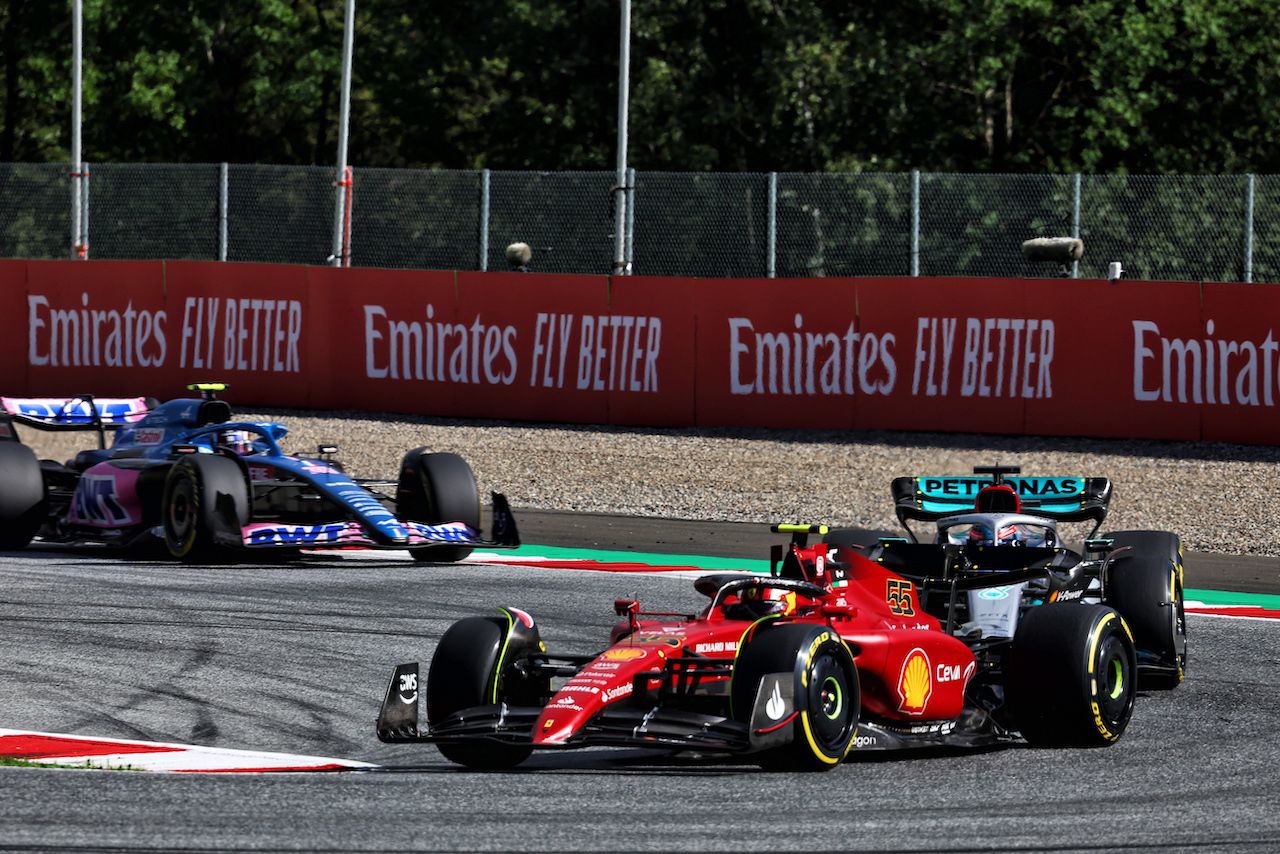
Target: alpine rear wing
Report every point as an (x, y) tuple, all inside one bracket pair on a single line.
[(81, 412), (1065, 499)]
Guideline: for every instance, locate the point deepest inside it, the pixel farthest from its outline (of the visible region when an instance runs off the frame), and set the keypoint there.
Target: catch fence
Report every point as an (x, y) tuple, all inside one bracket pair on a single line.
[(1186, 228)]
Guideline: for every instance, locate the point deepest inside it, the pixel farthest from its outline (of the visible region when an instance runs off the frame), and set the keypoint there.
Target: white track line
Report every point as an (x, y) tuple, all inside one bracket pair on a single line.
[(87, 751)]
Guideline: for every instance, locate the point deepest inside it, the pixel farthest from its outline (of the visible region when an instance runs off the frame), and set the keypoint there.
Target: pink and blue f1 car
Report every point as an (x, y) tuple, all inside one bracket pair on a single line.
[(184, 474)]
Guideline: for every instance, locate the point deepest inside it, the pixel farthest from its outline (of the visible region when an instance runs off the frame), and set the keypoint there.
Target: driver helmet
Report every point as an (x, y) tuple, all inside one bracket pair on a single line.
[(769, 600), (240, 441), (1003, 535)]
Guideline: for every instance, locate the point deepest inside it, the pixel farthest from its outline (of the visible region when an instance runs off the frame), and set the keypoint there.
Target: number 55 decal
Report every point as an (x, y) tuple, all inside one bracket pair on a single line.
[(898, 595)]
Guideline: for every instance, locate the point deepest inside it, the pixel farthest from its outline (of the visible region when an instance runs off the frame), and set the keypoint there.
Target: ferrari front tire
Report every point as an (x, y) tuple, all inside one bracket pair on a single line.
[(825, 691), (1072, 675), (465, 673)]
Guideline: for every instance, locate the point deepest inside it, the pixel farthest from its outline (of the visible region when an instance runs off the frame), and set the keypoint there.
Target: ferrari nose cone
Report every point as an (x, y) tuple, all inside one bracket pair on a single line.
[(559, 720)]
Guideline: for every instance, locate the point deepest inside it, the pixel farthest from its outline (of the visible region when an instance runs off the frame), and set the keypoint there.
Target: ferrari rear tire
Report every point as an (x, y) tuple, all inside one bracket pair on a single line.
[(1072, 675), (438, 488), (1147, 590), (22, 499), (825, 691), (203, 494), (465, 673)]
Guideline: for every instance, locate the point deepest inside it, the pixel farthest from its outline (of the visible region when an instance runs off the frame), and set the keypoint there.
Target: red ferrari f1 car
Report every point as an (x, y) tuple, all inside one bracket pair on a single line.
[(829, 654)]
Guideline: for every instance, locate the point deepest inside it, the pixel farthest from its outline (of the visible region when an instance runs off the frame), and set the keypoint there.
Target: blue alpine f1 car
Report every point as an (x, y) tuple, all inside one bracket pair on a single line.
[(184, 474)]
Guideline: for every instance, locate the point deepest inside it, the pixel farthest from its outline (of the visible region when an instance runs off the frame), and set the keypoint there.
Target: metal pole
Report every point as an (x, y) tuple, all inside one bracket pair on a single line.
[(915, 222), (1248, 228), (620, 191), (339, 257), (484, 220), (1075, 219), (77, 168), (84, 210), (631, 218), (222, 213), (771, 263)]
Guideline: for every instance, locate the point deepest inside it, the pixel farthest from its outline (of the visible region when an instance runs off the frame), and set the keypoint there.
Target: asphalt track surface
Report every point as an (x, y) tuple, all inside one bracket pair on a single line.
[(294, 657)]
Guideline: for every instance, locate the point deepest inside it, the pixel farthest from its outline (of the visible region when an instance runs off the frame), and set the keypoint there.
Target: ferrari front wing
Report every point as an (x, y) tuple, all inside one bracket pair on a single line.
[(622, 724)]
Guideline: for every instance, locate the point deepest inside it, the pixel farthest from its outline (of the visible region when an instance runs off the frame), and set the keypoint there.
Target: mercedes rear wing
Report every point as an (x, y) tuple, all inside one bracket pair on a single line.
[(1064, 499), (81, 412)]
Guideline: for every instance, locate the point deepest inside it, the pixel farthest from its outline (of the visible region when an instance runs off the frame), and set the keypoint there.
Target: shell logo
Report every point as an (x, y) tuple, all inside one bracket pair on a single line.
[(915, 684), (625, 654)]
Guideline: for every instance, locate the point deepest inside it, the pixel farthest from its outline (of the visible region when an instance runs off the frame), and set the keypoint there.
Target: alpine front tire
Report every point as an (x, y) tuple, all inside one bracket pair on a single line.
[(206, 505), (438, 488), (1072, 675), (815, 667)]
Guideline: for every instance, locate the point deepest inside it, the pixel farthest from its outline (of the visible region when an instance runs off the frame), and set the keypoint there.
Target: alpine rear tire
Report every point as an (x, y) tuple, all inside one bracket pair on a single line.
[(824, 688), (1072, 675), (22, 499), (438, 488), (204, 496), (466, 672)]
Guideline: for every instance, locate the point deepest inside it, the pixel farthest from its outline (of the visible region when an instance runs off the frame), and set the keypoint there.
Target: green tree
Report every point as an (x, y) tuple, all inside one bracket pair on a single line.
[(1101, 86), (35, 61)]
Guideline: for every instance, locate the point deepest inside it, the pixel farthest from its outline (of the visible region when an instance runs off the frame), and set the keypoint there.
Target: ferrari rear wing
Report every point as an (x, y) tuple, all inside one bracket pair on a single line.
[(1065, 499), (81, 412)]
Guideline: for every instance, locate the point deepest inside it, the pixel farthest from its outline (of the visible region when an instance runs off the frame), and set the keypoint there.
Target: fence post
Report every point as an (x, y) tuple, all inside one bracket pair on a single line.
[(1075, 218), (84, 210), (624, 95), (341, 256), (484, 220), (631, 218), (771, 263), (222, 212), (79, 248), (915, 222), (1248, 228)]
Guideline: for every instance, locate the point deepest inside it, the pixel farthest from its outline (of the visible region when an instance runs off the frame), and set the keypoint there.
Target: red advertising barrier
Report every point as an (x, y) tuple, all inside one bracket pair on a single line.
[(1161, 360), (249, 327), (527, 332), (652, 342), (14, 356), (965, 354), (1227, 372), (771, 354), (381, 340), (92, 327)]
